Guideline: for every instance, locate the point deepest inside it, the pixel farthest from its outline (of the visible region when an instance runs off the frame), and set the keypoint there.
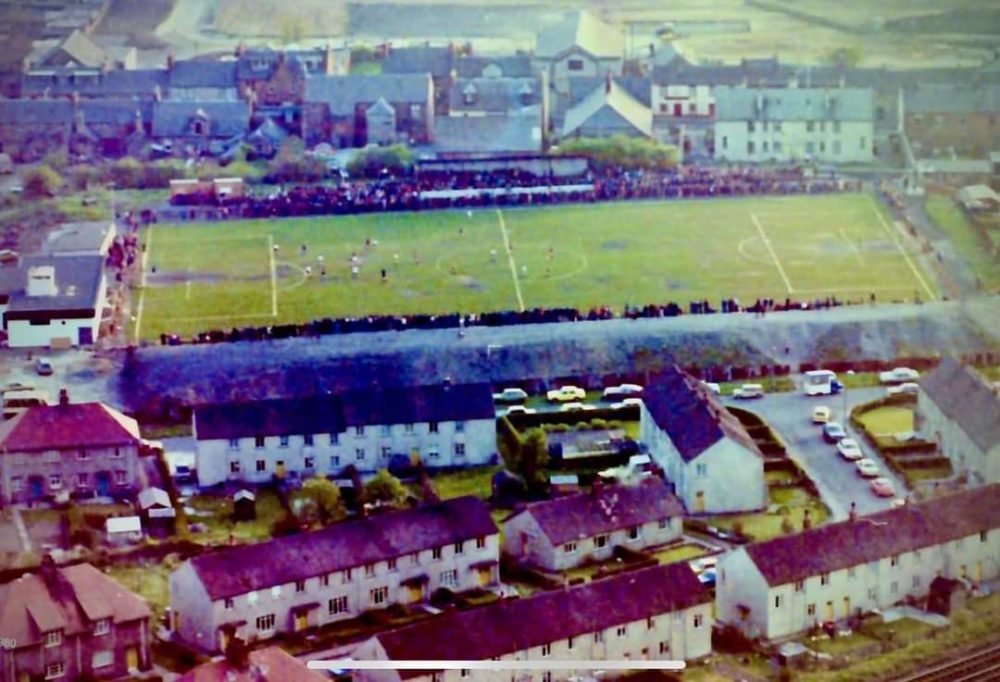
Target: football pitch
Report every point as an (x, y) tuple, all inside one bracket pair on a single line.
[(203, 276)]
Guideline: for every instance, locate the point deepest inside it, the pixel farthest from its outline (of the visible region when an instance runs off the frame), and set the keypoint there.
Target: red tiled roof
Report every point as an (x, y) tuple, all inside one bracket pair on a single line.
[(269, 664), (850, 543), (57, 427), (77, 597)]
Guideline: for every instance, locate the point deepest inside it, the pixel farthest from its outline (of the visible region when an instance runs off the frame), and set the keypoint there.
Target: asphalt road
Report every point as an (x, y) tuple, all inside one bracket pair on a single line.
[(789, 414)]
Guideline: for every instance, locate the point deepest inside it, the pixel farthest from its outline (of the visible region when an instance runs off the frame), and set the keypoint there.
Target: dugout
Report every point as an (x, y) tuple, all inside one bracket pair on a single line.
[(538, 165)]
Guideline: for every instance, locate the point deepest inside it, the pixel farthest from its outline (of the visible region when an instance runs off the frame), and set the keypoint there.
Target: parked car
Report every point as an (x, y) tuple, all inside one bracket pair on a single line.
[(909, 388), (520, 409), (575, 407), (833, 432), (621, 390), (704, 564), (867, 468), (898, 375), (707, 577), (565, 394), (510, 395), (821, 414), (712, 387), (43, 366), (849, 449), (628, 402), (749, 391), (883, 487)]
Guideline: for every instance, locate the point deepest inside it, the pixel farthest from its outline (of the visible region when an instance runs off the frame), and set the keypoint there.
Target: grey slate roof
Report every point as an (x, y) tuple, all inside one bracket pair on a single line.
[(81, 49), (203, 73), (583, 30), (606, 509), (497, 134), (494, 95), (967, 399), (511, 66), (172, 118), (78, 280), (512, 625), (78, 236), (954, 98), (614, 108), (341, 93), (334, 414), (35, 111), (343, 545), (690, 416), (851, 543), (121, 83), (641, 89), (119, 112), (436, 61), (793, 104)]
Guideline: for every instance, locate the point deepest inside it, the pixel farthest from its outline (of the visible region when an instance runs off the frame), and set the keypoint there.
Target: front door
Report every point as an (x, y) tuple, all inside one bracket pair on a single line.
[(485, 576), (977, 571), (85, 336), (301, 621), (699, 502), (132, 658), (36, 487), (102, 484), (279, 470), (416, 593), (847, 607), (829, 611), (223, 640)]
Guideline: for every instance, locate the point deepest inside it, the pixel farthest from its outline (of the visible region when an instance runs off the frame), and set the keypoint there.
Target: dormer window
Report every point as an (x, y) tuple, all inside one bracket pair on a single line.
[(53, 638), (102, 627), (199, 127), (469, 94)]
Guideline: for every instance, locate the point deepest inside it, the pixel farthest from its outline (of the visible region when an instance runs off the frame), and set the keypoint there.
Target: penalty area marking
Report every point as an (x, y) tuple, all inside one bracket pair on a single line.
[(142, 284), (774, 256), (902, 252), (851, 245), (510, 259), (302, 270)]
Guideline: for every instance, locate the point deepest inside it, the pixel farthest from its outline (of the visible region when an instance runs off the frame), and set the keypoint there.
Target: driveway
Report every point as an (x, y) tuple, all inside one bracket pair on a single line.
[(789, 414)]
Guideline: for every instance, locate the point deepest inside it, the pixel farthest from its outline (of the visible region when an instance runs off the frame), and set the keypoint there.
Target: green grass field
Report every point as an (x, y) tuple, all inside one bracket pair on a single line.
[(220, 275)]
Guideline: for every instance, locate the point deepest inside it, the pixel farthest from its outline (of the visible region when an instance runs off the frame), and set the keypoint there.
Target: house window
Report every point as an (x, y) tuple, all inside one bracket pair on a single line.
[(102, 627), (276, 592), (53, 638), (359, 430), (598, 637), (234, 467), (283, 442), (386, 452), (570, 643), (777, 601), (309, 462), (116, 453), (810, 126), (958, 543), (436, 553), (379, 595), (338, 605), (324, 580), (54, 670), (622, 630), (663, 524), (459, 427), (449, 578), (81, 480), (102, 659), (334, 439), (633, 533), (750, 126), (664, 648), (369, 570), (777, 146), (392, 564), (600, 541), (386, 430), (764, 147), (408, 428), (359, 454), (871, 593), (307, 439), (750, 147), (862, 144), (822, 146), (251, 598), (55, 481), (569, 547), (851, 572), (459, 548), (459, 449), (547, 676), (17, 484), (702, 469), (725, 142), (916, 581), (261, 465), (346, 577), (300, 585), (480, 543), (982, 536), (698, 620), (894, 587), (258, 442), (230, 604), (824, 579), (120, 477), (575, 65), (265, 623), (234, 443), (546, 650), (811, 609), (798, 585), (334, 461), (432, 427), (82, 455), (894, 561), (464, 673), (433, 454)]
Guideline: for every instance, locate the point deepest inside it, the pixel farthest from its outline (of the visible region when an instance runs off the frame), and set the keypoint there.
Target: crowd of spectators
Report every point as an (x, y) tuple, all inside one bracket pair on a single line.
[(513, 187)]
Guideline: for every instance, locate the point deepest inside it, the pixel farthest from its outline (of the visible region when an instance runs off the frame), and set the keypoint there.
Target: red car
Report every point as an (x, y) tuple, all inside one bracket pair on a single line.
[(883, 487)]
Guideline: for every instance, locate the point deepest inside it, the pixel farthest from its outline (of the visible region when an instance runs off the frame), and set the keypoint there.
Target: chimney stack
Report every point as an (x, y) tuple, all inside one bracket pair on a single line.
[(806, 521), (607, 83), (63, 396)]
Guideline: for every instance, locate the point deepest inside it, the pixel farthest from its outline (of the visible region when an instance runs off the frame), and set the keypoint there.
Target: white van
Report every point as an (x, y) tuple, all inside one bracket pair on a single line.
[(821, 382)]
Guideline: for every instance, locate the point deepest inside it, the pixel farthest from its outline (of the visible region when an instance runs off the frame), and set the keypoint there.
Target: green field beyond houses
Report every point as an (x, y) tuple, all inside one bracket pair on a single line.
[(221, 275)]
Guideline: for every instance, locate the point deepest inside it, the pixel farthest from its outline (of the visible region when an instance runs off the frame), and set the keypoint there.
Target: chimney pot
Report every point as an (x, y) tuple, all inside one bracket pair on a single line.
[(63, 396)]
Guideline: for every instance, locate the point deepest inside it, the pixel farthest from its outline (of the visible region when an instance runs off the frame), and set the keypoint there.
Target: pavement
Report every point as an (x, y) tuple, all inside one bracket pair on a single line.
[(789, 415)]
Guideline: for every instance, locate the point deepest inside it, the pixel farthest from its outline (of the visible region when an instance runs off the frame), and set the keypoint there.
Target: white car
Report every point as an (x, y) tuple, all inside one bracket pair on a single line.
[(575, 407), (628, 402), (510, 395), (821, 415), (909, 388), (898, 375), (849, 449), (712, 387), (749, 391), (519, 409), (565, 394), (622, 390), (867, 468)]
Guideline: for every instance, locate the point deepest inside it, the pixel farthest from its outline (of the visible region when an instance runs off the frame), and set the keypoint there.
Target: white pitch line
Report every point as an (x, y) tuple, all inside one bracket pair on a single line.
[(198, 318), (774, 256), (187, 284), (851, 245), (274, 277), (142, 283), (892, 235), (510, 259)]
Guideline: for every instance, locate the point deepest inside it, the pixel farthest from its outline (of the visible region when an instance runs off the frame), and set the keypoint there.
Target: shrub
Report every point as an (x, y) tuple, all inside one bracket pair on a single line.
[(41, 182)]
